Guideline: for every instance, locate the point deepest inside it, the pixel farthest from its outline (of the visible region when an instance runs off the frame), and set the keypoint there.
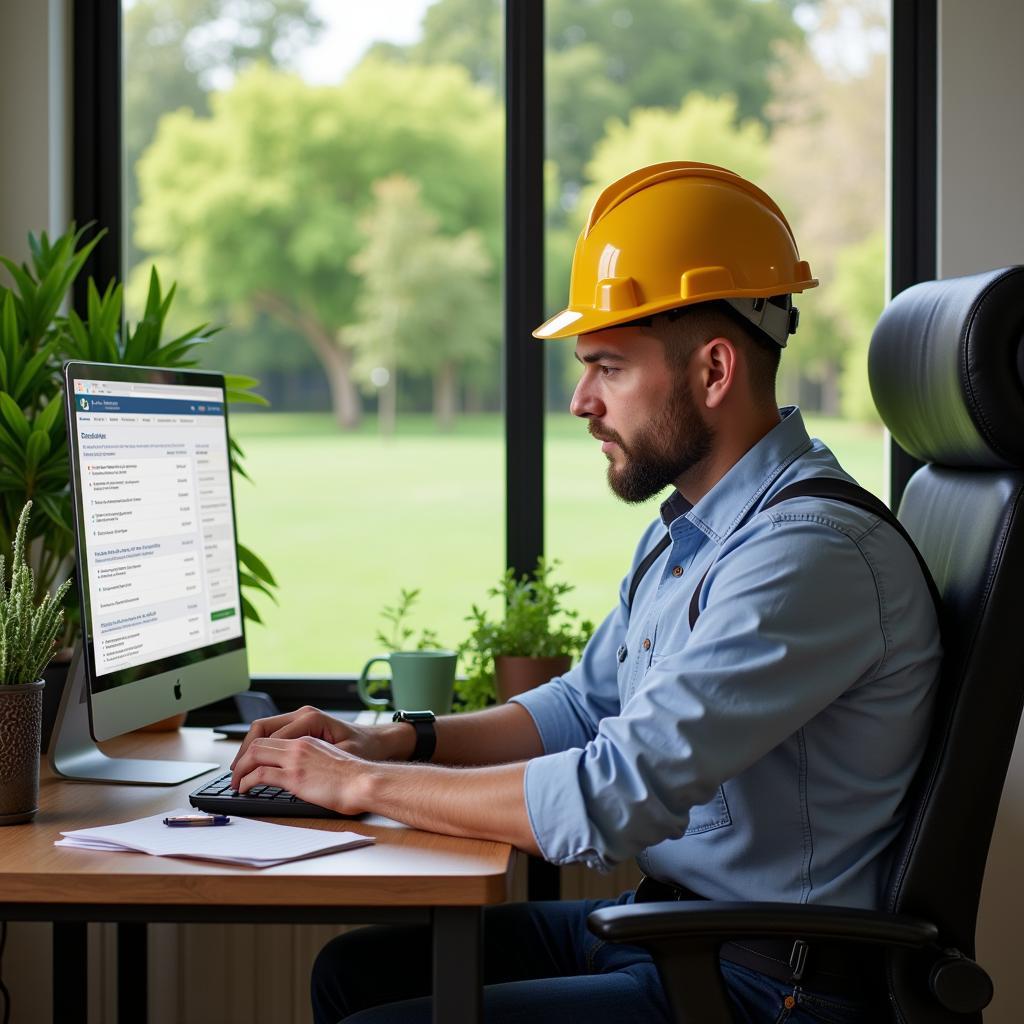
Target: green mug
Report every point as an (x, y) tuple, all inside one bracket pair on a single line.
[(420, 681)]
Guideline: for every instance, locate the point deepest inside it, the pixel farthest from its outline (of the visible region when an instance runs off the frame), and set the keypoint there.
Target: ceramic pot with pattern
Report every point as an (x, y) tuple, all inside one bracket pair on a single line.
[(21, 724)]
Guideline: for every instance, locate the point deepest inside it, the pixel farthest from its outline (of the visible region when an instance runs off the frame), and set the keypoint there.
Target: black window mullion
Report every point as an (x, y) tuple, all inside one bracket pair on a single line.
[(524, 283), (96, 134), (524, 309), (914, 179)]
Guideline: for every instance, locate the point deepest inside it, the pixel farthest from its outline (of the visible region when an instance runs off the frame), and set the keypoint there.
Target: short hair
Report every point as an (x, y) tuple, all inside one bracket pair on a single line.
[(683, 329)]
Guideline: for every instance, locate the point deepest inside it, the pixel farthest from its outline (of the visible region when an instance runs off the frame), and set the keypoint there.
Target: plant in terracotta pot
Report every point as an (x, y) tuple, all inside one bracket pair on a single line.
[(28, 635), (535, 640)]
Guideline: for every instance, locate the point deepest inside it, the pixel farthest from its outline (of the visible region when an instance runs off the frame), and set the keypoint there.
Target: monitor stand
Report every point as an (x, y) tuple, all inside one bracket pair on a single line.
[(74, 755)]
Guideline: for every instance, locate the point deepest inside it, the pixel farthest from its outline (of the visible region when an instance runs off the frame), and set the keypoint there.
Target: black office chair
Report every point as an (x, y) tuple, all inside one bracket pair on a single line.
[(947, 374)]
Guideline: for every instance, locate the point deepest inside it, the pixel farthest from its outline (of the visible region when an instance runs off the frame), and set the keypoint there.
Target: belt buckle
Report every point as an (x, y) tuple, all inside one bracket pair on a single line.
[(798, 958)]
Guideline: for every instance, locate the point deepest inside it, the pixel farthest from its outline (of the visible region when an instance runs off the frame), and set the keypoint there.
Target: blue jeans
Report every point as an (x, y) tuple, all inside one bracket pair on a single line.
[(541, 966)]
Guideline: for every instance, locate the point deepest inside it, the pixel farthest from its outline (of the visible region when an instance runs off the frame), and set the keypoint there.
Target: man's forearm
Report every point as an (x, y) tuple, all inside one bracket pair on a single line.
[(483, 803), (499, 735)]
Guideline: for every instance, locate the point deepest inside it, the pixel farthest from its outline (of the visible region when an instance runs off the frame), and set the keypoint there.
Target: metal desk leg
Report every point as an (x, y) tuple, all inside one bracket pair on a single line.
[(458, 965), (543, 880), (132, 961), (70, 972)]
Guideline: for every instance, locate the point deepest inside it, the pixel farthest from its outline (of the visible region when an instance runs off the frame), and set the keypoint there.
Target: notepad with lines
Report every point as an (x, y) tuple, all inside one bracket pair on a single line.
[(243, 841)]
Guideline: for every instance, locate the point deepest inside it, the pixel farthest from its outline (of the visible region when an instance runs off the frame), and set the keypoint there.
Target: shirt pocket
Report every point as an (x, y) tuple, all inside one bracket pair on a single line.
[(707, 817)]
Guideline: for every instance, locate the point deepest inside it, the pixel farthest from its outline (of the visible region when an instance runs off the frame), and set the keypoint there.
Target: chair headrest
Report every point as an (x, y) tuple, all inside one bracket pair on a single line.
[(946, 366)]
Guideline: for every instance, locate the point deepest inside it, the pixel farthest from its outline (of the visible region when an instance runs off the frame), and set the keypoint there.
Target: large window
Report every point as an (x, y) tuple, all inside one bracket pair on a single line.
[(789, 95), (326, 181)]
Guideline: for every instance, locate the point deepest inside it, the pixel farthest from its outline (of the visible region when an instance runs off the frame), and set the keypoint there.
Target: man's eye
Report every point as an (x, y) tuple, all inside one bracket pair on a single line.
[(607, 371)]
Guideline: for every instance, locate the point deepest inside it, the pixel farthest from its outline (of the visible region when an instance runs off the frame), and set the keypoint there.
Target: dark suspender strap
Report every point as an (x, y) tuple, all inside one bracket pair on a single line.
[(853, 494), (695, 598), (641, 570), (813, 487)]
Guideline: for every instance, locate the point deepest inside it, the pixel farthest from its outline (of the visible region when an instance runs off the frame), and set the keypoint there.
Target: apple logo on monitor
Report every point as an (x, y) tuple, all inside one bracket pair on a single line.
[(177, 691)]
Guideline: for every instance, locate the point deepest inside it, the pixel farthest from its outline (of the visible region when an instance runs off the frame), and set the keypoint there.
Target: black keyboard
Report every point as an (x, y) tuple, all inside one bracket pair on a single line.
[(261, 801)]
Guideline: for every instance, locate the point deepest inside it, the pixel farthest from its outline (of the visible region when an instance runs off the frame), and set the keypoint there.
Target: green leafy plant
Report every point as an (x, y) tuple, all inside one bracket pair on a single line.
[(35, 339), (399, 633), (28, 631), (535, 624)]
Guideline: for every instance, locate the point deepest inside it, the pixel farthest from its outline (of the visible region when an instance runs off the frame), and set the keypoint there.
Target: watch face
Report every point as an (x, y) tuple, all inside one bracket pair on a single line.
[(417, 716)]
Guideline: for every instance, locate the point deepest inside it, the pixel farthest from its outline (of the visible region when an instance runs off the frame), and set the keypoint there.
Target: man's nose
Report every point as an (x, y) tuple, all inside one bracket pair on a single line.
[(585, 402)]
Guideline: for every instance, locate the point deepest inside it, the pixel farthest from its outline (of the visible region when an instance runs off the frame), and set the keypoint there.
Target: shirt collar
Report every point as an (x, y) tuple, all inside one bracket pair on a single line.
[(726, 505)]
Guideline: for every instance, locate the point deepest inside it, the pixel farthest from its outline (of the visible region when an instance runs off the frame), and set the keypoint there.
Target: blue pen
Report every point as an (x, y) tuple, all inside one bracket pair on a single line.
[(184, 820)]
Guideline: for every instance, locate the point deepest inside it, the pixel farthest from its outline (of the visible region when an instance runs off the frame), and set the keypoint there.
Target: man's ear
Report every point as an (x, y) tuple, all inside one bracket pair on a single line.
[(719, 369)]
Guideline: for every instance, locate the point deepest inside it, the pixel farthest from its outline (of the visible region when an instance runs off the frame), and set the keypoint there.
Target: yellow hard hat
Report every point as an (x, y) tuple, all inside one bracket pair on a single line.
[(678, 233)]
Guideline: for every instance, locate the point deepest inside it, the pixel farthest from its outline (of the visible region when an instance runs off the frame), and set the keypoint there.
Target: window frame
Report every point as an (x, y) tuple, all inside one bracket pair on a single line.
[(97, 197)]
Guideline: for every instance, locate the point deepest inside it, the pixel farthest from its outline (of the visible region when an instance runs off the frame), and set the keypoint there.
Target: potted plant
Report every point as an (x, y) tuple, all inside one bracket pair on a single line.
[(535, 640), (422, 674), (28, 635), (35, 339), (399, 633)]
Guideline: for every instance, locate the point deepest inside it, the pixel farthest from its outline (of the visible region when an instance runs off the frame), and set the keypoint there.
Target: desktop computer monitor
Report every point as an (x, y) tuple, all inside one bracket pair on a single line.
[(152, 499)]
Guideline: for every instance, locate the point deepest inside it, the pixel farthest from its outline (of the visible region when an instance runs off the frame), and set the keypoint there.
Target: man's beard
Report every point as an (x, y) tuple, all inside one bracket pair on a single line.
[(662, 451)]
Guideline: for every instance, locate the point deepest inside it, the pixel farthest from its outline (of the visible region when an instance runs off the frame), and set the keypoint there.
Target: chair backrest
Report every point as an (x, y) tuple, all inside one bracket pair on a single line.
[(947, 374)]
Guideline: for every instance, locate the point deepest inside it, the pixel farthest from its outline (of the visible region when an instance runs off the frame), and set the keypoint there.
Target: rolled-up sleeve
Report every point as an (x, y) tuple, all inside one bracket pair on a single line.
[(708, 704)]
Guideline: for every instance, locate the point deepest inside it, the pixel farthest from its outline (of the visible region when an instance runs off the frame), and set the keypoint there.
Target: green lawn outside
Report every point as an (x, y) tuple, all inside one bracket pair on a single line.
[(345, 520)]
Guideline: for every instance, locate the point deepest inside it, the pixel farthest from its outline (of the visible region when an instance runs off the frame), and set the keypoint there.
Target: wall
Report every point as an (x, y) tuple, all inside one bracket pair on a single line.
[(34, 121), (980, 137), (35, 196), (981, 226)]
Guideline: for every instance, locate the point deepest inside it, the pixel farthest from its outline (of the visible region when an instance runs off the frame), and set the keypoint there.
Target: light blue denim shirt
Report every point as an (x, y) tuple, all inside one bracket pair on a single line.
[(767, 754)]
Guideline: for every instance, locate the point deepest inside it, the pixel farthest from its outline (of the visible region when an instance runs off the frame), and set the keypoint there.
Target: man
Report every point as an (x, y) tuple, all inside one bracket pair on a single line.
[(745, 722)]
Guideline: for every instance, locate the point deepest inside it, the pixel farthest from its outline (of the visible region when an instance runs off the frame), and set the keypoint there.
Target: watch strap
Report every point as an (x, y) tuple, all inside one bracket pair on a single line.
[(426, 736), (426, 740)]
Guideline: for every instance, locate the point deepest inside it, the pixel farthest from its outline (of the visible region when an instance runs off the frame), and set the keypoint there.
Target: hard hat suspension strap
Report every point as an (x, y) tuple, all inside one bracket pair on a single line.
[(776, 322)]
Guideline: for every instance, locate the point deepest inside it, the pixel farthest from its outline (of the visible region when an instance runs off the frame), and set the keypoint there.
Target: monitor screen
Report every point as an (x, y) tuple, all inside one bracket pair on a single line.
[(155, 532)]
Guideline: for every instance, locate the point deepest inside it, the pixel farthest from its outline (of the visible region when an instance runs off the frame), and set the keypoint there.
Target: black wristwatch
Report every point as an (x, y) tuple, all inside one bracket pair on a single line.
[(426, 736)]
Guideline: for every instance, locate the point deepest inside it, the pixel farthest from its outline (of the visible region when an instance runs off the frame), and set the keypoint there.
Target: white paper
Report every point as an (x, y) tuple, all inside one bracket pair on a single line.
[(244, 841)]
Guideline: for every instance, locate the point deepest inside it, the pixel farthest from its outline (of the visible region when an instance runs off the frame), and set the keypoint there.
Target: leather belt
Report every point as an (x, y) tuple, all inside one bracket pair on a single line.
[(832, 968)]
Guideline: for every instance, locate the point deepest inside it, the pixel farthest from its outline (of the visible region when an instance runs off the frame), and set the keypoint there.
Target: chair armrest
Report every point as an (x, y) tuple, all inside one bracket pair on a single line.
[(685, 938), (712, 923)]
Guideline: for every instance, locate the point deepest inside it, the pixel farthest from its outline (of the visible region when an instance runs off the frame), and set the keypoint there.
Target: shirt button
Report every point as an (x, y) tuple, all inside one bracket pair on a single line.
[(621, 653), (789, 1002), (677, 571), (647, 645)]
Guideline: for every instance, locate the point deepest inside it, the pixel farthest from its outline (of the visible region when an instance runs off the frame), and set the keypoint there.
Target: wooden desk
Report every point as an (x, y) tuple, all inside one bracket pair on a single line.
[(406, 876)]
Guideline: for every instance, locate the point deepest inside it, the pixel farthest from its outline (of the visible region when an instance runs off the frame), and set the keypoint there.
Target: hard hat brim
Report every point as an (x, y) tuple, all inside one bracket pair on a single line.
[(572, 322)]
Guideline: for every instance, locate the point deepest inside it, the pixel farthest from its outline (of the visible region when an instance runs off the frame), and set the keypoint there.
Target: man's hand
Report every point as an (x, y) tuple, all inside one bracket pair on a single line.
[(312, 768), (369, 742), (487, 803)]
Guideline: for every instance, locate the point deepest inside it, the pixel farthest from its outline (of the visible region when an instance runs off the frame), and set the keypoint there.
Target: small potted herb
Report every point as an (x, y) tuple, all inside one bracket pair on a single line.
[(399, 633), (28, 634), (422, 674), (535, 640)]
